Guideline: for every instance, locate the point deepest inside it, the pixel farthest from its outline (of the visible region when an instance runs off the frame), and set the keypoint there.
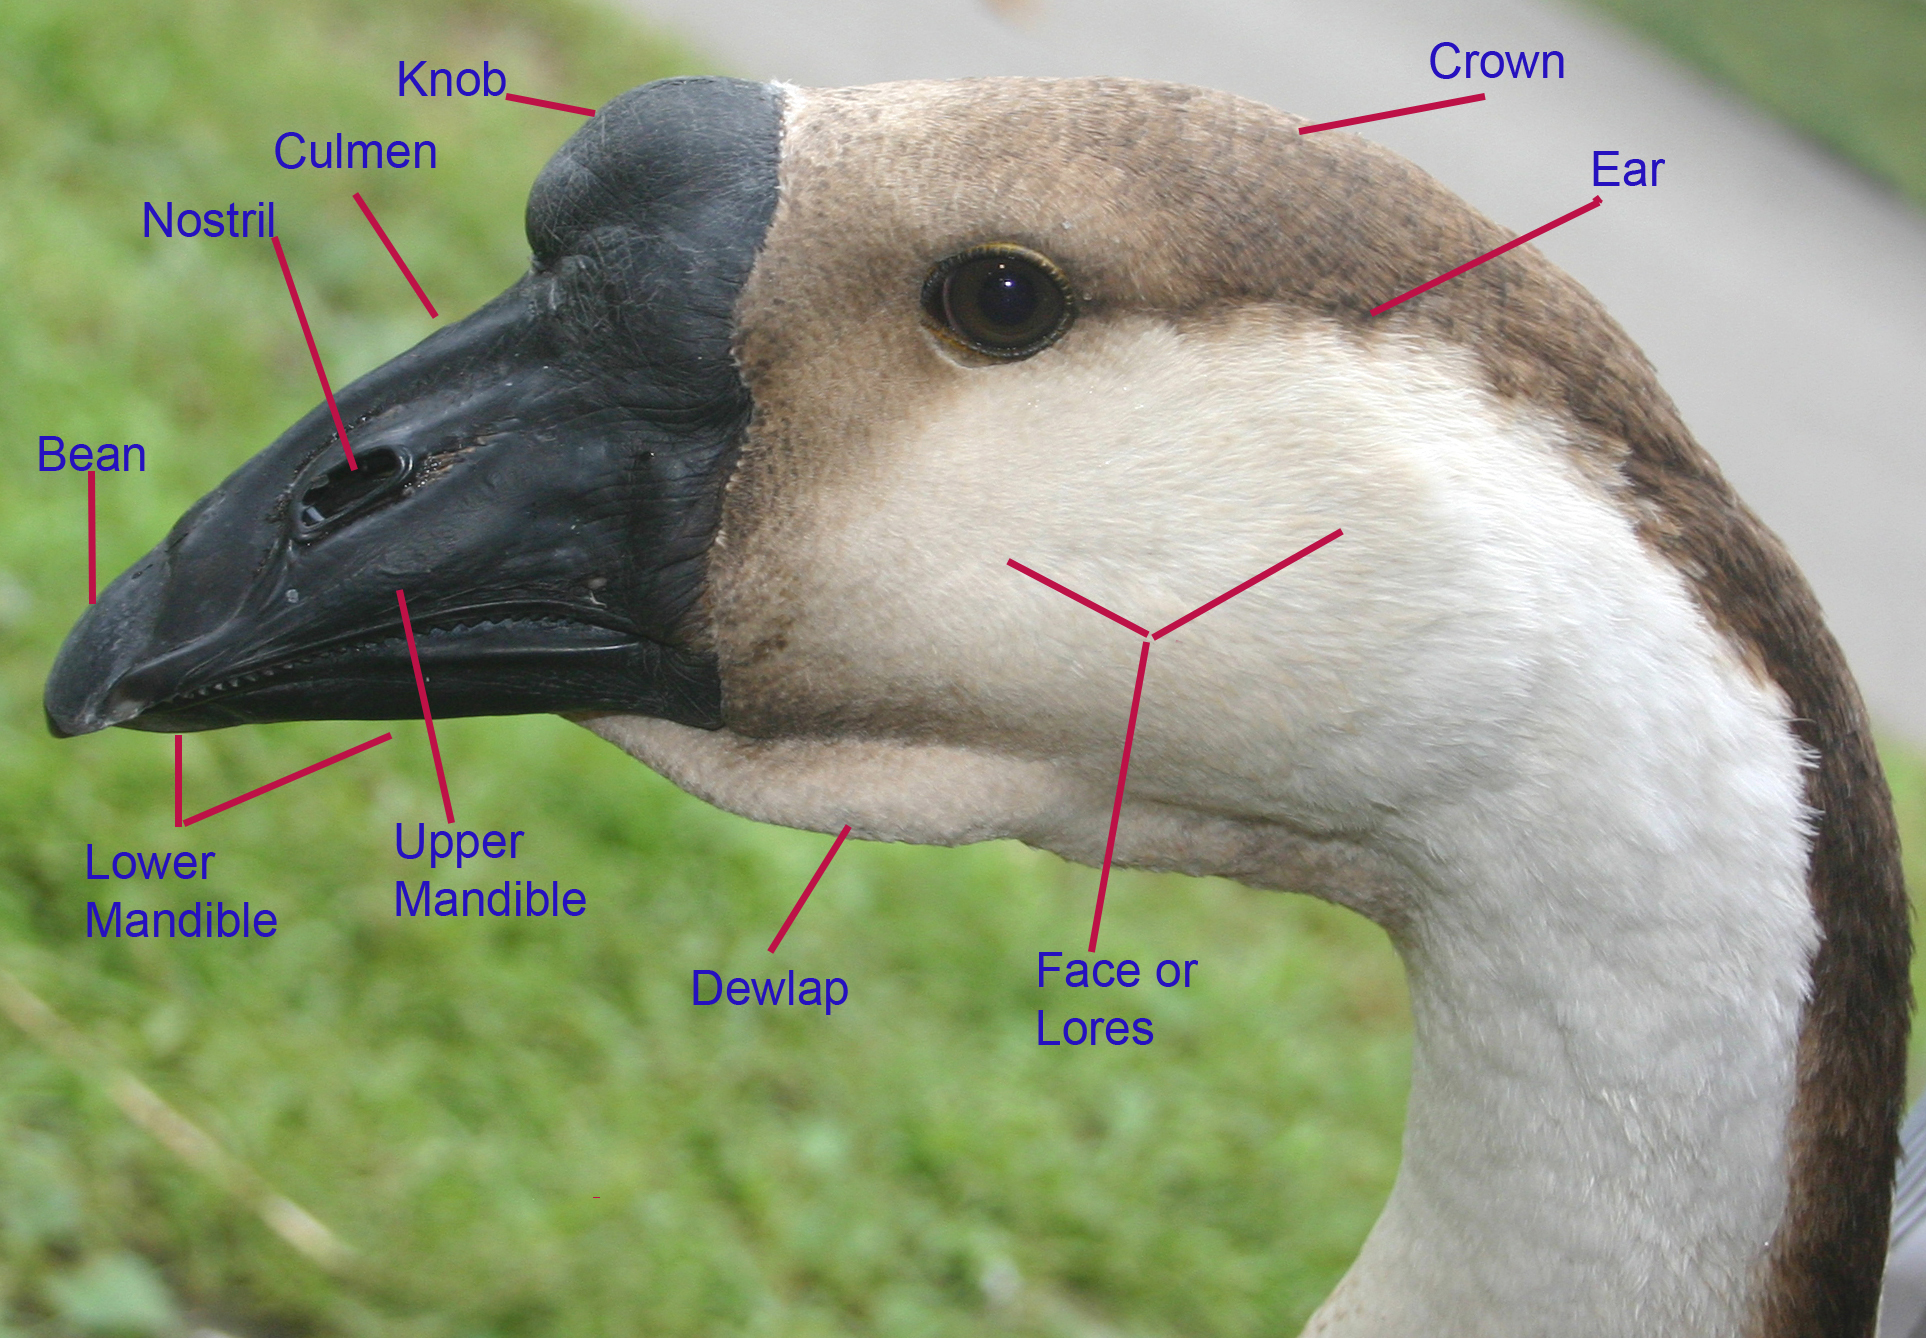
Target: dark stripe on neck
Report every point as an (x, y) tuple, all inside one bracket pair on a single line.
[(1548, 340)]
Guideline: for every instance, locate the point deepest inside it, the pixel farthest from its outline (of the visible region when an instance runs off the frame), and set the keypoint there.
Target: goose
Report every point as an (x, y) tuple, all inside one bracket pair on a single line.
[(732, 474)]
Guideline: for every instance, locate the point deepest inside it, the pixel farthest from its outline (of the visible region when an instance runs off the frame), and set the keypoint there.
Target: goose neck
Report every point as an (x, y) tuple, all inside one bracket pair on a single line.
[(1607, 999)]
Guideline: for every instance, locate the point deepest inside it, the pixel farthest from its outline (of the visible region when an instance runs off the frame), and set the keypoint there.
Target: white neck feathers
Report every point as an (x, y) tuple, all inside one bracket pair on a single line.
[(1607, 998)]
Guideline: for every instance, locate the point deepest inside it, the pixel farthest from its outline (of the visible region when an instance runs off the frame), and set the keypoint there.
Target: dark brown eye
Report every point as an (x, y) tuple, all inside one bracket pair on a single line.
[(1000, 300)]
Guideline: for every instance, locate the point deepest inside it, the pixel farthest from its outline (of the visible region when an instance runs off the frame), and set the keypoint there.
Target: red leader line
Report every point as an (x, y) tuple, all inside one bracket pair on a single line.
[(275, 785), (177, 780), (1237, 590), (1489, 255), (314, 352), (406, 273), (1387, 115), (90, 537), (822, 868), (421, 686), (552, 106), (1087, 603), (1116, 808)]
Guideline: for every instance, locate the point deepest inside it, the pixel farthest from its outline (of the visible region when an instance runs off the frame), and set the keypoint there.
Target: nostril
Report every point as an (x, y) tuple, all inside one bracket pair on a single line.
[(340, 491)]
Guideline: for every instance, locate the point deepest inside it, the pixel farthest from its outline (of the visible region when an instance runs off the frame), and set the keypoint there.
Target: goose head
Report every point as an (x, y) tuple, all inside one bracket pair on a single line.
[(734, 476)]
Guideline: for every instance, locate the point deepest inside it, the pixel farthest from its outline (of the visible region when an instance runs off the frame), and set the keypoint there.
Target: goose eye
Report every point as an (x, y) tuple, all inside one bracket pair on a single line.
[(1001, 300)]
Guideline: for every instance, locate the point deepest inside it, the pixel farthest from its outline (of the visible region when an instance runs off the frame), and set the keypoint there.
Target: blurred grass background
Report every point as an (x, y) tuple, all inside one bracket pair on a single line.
[(527, 1129), (1850, 73)]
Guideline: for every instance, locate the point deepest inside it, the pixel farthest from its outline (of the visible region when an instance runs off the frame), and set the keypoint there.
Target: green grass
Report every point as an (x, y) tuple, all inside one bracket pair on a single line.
[(527, 1128), (1850, 73), (1906, 772)]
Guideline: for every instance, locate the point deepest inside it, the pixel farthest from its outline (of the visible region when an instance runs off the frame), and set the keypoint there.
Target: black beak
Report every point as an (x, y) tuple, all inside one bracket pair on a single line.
[(543, 480)]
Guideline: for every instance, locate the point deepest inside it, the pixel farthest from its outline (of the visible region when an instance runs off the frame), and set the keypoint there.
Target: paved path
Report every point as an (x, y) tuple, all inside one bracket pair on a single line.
[(1782, 296)]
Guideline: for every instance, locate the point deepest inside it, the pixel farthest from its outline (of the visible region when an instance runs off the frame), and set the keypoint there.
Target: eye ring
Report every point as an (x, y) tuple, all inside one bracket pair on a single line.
[(999, 299)]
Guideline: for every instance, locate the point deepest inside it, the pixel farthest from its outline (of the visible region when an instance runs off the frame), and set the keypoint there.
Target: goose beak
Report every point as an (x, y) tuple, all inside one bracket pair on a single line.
[(544, 567), (542, 479)]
